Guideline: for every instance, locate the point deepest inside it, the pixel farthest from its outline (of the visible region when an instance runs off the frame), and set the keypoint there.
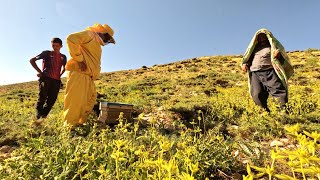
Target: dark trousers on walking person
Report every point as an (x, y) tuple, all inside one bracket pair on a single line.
[(263, 83), (48, 93)]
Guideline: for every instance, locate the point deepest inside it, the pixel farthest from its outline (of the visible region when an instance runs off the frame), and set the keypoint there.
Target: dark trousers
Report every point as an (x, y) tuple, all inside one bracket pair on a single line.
[(264, 83), (48, 92)]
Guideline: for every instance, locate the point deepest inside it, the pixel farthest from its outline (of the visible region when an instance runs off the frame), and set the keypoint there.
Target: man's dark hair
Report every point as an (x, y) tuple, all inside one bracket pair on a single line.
[(56, 40)]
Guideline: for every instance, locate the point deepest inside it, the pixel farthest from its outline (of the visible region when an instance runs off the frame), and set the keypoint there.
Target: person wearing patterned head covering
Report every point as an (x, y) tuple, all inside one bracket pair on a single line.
[(83, 68), (269, 69)]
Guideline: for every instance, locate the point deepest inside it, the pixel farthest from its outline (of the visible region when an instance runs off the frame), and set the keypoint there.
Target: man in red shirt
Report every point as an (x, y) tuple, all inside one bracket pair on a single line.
[(49, 77)]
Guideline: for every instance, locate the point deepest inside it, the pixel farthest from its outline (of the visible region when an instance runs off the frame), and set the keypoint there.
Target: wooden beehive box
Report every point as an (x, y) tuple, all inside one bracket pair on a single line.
[(110, 111)]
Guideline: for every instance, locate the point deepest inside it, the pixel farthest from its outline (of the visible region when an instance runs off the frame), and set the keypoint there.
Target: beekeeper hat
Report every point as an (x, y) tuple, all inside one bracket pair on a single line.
[(103, 29)]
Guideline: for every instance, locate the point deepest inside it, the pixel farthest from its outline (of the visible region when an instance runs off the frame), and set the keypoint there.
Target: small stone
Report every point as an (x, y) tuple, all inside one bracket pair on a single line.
[(282, 149), (4, 156), (6, 149), (234, 127), (236, 153), (285, 140), (291, 146), (276, 143)]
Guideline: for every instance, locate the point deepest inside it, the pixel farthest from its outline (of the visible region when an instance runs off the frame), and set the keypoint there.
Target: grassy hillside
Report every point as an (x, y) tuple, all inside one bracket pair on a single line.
[(193, 119)]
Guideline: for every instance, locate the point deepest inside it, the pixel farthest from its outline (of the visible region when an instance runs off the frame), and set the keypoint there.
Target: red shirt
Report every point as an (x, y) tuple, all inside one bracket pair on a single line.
[(52, 63)]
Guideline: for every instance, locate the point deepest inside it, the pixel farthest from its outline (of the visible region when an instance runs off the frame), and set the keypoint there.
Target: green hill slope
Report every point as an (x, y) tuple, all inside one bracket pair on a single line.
[(193, 116)]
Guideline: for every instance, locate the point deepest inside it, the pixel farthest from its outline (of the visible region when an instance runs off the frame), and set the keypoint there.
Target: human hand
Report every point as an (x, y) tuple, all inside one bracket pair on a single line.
[(82, 66), (39, 74), (244, 68)]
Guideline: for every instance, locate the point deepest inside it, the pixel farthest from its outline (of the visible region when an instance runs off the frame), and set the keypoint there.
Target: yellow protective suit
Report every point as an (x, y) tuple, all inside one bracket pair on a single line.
[(80, 97)]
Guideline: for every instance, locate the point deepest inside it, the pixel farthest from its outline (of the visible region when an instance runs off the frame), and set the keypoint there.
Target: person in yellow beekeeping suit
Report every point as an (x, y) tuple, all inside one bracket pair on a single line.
[(84, 67)]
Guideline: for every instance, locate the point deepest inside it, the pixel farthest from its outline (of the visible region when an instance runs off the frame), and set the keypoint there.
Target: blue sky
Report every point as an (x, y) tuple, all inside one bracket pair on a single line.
[(150, 32)]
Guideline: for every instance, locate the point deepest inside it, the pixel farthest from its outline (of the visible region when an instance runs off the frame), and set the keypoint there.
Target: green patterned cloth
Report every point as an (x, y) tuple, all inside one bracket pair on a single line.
[(284, 70)]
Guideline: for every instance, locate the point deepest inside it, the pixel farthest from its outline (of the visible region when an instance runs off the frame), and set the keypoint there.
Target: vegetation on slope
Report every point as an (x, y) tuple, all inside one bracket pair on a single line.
[(194, 119)]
